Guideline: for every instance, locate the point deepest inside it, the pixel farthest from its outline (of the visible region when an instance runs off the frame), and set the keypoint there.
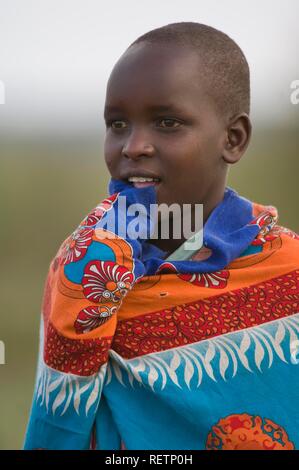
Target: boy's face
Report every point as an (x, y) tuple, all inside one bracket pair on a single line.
[(160, 120)]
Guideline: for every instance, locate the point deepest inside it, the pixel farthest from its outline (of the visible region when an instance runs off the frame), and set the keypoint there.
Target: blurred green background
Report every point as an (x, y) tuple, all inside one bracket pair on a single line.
[(46, 189)]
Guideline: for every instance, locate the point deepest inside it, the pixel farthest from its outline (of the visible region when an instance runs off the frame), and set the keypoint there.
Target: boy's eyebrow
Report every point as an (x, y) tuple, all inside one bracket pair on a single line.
[(152, 108), (165, 107)]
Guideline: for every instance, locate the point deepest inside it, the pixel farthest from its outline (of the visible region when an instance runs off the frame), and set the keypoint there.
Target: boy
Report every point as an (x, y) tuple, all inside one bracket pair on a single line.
[(145, 344)]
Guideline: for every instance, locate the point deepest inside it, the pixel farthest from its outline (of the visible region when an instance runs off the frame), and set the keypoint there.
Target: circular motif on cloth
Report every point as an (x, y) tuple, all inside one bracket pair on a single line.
[(247, 432)]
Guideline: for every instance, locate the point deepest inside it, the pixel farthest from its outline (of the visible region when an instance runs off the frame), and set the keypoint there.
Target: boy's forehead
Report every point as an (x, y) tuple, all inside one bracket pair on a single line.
[(157, 53), (155, 74)]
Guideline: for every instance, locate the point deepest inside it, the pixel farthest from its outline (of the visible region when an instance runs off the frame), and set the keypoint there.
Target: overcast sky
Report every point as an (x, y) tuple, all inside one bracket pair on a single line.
[(56, 55)]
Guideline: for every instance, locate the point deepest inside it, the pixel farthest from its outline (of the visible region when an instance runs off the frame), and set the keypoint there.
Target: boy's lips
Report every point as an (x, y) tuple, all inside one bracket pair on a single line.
[(141, 178), (145, 184)]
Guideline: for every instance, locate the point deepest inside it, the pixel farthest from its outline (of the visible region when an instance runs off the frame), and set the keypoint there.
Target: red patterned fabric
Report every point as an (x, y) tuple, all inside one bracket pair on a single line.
[(196, 321), (80, 357)]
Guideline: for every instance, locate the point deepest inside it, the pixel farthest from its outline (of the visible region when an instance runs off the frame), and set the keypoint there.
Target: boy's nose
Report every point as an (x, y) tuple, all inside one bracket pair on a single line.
[(137, 146)]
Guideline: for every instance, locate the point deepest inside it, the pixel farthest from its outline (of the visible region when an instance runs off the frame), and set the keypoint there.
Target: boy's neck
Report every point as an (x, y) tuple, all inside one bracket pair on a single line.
[(171, 244)]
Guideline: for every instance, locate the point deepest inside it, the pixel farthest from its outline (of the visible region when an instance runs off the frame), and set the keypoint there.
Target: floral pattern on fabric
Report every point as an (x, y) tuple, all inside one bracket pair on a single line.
[(75, 247), (215, 280), (106, 281), (266, 221), (99, 211), (92, 317), (166, 268)]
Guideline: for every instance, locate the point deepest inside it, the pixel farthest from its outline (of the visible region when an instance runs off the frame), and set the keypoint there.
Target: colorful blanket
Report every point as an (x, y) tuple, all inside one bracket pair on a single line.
[(141, 352)]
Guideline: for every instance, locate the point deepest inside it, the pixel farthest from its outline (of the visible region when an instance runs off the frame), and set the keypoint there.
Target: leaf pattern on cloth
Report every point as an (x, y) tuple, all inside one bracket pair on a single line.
[(218, 358)]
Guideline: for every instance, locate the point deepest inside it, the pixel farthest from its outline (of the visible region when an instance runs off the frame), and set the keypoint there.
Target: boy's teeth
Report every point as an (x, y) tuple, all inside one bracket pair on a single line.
[(141, 179)]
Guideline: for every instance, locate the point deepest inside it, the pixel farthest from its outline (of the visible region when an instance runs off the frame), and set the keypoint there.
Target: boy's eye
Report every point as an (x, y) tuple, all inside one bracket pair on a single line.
[(117, 124), (169, 123), (165, 123)]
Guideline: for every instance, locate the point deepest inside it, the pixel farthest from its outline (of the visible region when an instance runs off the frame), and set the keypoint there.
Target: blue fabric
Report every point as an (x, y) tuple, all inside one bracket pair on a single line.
[(227, 232), (175, 397)]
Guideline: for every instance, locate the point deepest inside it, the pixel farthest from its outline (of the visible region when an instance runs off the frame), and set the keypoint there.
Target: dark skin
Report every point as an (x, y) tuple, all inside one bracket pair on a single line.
[(189, 146)]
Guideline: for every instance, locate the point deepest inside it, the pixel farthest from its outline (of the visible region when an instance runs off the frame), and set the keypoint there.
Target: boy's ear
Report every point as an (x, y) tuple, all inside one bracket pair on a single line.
[(237, 139)]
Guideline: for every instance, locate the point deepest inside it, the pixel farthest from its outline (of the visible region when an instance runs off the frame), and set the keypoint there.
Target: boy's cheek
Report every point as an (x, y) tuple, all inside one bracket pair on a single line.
[(166, 195)]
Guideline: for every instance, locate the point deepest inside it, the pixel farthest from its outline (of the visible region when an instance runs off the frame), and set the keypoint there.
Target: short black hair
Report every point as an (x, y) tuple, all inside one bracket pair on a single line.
[(224, 64)]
